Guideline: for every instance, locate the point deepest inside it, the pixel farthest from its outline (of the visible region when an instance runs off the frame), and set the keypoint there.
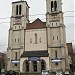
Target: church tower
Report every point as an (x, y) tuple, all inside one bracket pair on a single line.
[(16, 43), (58, 54)]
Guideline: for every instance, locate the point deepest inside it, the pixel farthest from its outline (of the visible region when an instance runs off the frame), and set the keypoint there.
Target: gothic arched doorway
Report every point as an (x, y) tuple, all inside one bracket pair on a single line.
[(34, 66), (26, 66), (43, 65)]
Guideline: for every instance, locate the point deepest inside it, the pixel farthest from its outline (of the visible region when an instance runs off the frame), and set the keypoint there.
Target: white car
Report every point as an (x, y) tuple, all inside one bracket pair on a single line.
[(45, 72), (58, 73)]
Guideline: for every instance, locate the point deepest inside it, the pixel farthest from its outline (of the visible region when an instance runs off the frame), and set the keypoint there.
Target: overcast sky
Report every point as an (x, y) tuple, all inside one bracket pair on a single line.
[(36, 7)]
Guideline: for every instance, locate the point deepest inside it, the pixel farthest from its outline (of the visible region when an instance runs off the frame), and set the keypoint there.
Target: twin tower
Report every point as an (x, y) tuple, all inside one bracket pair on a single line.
[(37, 46)]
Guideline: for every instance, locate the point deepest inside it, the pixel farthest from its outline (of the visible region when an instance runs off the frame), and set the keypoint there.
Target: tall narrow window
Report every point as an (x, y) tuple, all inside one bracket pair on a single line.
[(15, 40), (35, 38), (20, 8), (16, 56), (55, 5), (26, 12), (19, 27), (56, 24), (53, 37), (55, 54), (16, 9), (57, 37), (51, 5), (18, 40)]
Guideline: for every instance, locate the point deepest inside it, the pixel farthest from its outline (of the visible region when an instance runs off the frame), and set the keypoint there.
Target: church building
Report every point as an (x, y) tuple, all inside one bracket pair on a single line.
[(37, 46)]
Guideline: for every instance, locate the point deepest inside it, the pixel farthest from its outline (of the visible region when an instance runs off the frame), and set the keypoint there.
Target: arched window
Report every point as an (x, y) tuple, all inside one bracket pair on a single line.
[(43, 65), (57, 37), (35, 66), (53, 37), (51, 5), (27, 66), (56, 24), (16, 9), (20, 8), (55, 5), (15, 40), (18, 40)]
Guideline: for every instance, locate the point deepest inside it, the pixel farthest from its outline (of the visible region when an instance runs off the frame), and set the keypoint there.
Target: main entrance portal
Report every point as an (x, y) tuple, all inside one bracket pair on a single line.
[(34, 66)]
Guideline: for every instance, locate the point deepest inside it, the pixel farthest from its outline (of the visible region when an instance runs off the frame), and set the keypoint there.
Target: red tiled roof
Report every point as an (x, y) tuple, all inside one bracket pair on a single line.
[(37, 24)]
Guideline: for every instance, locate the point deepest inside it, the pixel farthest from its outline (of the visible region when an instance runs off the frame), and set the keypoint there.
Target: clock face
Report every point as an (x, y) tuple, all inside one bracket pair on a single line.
[(55, 18), (18, 20)]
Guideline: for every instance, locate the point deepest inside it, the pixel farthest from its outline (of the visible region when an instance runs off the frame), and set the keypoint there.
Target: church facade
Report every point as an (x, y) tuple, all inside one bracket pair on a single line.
[(37, 46)]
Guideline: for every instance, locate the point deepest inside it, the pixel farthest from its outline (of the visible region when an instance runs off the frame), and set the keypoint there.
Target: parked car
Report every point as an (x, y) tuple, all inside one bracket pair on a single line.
[(10, 72), (45, 72), (58, 73)]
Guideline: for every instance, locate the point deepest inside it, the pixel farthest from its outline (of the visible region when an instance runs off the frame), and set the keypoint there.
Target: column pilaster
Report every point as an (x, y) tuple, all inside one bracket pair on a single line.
[(30, 67), (39, 66)]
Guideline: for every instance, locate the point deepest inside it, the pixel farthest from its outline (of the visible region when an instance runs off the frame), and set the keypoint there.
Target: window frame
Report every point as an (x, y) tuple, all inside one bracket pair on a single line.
[(35, 38), (55, 5), (17, 9), (20, 9), (52, 5)]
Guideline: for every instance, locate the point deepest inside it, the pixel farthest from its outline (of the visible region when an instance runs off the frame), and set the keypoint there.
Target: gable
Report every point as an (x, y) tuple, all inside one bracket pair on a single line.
[(37, 24)]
